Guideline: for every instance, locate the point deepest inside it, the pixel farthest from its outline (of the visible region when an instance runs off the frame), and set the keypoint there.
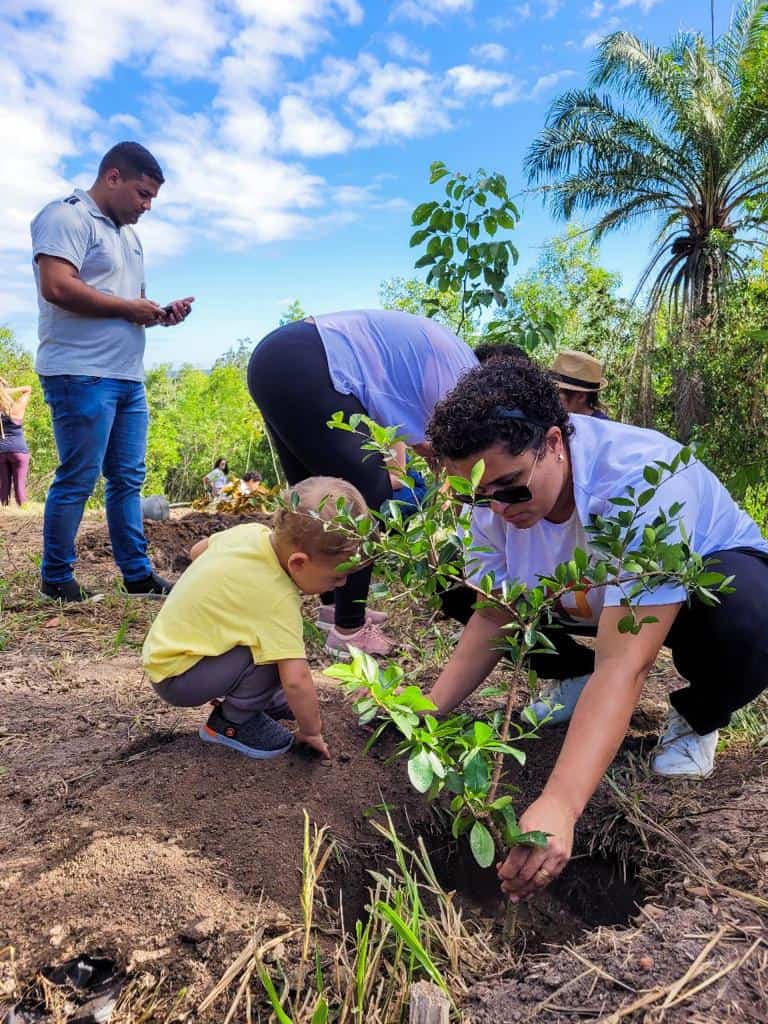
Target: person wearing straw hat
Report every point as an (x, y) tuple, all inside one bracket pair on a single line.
[(579, 378)]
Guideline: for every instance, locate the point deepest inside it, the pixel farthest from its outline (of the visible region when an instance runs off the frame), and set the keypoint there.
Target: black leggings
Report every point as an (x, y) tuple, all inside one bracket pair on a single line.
[(288, 379), (721, 652)]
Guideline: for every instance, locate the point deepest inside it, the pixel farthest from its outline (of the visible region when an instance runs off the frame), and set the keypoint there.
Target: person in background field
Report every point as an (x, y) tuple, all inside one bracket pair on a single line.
[(250, 484), (14, 454), (218, 478), (232, 627), (545, 475), (89, 271), (579, 378), (388, 365)]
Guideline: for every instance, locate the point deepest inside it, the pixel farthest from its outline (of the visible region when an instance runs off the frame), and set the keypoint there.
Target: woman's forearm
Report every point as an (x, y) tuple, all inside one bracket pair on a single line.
[(476, 655), (599, 724)]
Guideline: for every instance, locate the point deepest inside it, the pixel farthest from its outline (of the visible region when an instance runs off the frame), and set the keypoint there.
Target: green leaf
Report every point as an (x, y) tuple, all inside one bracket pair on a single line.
[(422, 212), (536, 838), (320, 1016), (482, 845), (418, 237), (651, 475), (438, 171), (411, 940), (482, 733), (454, 783), (709, 579), (404, 722), (273, 997), (420, 771), (477, 776)]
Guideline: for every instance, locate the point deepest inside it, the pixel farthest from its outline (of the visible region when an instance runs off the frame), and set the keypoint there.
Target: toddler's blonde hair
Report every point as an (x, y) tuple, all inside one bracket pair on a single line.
[(305, 525)]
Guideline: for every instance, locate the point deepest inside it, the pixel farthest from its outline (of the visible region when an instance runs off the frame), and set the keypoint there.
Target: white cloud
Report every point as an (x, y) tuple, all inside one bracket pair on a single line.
[(404, 49), (335, 78), (393, 102), (596, 10), (592, 39), (468, 80), (492, 53), (644, 5), (221, 177), (308, 132), (237, 148), (551, 7), (547, 82), (430, 11), (247, 127)]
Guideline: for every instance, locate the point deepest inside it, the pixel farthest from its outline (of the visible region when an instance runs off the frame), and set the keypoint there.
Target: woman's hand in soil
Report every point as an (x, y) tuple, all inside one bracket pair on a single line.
[(530, 868), (316, 742)]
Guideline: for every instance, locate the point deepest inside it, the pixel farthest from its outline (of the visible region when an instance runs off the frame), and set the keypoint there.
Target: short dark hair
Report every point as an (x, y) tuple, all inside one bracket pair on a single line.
[(250, 475), (475, 415), (132, 160), (504, 350)]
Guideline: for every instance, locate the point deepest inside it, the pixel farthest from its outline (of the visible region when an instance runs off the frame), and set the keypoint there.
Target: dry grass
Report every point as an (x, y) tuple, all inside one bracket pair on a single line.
[(359, 971)]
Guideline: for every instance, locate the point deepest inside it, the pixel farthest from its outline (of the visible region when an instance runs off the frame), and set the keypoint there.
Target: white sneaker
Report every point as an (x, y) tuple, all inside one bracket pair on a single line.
[(683, 753), (564, 692)]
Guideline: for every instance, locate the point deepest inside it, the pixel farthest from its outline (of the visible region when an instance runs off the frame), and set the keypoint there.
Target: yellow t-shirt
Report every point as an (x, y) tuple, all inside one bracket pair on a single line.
[(236, 594)]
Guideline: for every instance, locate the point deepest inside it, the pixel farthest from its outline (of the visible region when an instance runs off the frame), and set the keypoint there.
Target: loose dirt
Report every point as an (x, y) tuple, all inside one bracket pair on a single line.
[(122, 835)]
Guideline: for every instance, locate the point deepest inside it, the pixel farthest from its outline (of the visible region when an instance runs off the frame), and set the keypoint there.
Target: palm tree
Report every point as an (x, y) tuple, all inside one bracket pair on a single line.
[(681, 134)]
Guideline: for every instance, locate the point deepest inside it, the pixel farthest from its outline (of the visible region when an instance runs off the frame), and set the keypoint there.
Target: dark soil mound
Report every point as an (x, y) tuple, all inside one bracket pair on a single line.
[(170, 541)]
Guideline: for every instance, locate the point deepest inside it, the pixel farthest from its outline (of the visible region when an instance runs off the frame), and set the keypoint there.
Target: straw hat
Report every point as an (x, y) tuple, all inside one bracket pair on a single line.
[(576, 371)]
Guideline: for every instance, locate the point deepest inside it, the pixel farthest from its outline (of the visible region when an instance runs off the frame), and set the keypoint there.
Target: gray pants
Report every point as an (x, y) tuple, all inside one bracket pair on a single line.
[(243, 686)]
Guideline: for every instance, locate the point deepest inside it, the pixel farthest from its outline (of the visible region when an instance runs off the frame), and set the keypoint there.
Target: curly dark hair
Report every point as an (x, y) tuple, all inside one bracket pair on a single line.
[(476, 414), (502, 350)]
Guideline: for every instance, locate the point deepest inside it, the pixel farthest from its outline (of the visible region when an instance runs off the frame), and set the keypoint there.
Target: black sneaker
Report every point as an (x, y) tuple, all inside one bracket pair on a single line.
[(281, 713), (259, 736), (68, 593), (151, 586)]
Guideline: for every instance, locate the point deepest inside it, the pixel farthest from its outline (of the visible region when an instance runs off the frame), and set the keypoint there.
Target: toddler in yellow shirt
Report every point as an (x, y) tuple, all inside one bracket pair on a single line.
[(232, 628)]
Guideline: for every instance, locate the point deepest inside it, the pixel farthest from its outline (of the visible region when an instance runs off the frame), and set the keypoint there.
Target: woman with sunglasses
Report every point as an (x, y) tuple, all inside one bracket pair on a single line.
[(545, 476)]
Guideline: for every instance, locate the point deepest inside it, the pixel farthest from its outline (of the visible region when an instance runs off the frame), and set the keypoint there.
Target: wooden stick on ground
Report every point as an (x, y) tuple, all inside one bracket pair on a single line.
[(429, 1004)]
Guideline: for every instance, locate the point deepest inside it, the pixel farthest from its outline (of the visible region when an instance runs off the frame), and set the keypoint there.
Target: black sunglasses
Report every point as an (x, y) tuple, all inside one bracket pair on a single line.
[(517, 494)]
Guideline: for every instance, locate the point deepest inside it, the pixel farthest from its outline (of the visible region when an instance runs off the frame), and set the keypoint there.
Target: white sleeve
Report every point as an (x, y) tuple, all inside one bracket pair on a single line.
[(487, 535), (679, 489)]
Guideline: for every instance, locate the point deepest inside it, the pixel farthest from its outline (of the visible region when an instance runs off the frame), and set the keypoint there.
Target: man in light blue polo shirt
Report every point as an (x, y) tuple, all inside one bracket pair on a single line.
[(89, 271)]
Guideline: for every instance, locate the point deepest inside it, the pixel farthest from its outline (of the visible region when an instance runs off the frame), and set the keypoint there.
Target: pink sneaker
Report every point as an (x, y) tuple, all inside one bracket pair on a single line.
[(368, 638), (325, 617)]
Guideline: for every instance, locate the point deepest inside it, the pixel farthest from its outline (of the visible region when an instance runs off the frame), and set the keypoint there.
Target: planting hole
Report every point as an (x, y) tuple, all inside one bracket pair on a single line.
[(592, 891)]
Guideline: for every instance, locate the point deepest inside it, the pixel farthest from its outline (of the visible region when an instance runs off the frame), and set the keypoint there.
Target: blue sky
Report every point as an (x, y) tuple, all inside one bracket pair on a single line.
[(295, 135)]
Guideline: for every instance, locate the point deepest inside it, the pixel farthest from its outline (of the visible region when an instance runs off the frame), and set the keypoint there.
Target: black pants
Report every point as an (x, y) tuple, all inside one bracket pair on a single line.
[(722, 652), (288, 379)]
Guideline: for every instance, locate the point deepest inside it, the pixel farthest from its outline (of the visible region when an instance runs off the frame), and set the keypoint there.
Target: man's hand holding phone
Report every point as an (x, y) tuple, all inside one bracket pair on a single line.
[(176, 311)]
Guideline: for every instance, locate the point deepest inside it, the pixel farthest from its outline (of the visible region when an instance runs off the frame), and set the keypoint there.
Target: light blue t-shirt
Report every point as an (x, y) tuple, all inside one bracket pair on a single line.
[(397, 365), (606, 459), (107, 258)]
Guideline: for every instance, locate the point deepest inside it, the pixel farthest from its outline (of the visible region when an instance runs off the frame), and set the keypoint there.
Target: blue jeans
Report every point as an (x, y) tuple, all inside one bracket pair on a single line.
[(100, 426)]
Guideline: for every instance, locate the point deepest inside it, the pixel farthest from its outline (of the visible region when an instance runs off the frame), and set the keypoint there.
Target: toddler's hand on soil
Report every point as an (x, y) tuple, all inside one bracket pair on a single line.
[(530, 868), (315, 742)]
